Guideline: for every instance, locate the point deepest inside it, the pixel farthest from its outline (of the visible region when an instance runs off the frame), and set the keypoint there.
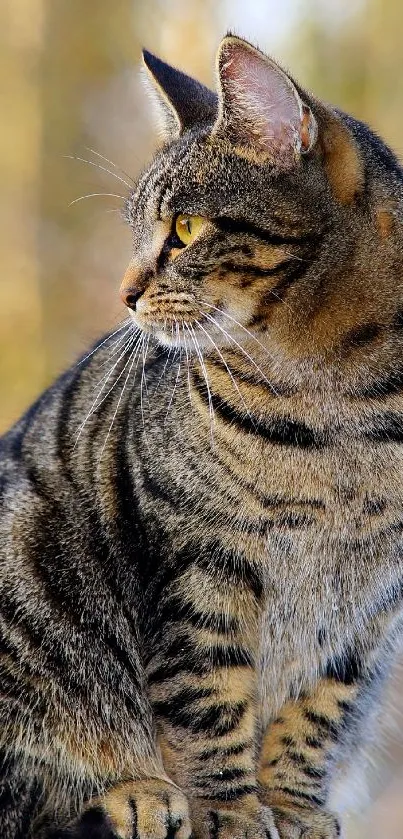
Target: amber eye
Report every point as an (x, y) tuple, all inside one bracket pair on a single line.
[(187, 227)]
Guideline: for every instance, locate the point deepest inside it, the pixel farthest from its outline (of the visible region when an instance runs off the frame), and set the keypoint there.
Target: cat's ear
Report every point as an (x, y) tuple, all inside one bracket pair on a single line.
[(260, 107), (181, 101)]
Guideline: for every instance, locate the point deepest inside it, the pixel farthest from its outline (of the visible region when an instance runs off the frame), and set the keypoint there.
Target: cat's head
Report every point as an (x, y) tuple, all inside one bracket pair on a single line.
[(250, 214)]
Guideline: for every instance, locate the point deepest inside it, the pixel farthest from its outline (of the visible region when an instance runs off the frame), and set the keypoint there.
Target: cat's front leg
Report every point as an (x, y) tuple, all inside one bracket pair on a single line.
[(300, 752), (203, 690)]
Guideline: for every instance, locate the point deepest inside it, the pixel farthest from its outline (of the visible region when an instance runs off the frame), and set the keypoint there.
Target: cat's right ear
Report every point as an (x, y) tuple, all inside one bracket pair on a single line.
[(260, 107), (181, 102)]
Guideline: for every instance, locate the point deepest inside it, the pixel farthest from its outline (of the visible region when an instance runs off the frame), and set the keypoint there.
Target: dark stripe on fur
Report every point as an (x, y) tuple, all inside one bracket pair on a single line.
[(217, 719), (230, 225), (279, 430), (386, 428), (231, 794), (226, 751), (231, 567), (346, 669), (390, 384)]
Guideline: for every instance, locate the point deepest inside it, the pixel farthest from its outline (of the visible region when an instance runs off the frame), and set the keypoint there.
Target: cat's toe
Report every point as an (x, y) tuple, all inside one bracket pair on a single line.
[(305, 823), (150, 809)]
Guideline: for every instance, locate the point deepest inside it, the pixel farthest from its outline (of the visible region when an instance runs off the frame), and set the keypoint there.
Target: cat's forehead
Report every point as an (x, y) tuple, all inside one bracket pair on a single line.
[(193, 175)]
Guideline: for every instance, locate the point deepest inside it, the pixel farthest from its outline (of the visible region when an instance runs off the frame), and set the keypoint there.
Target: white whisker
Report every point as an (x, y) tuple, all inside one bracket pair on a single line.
[(226, 315), (127, 323), (144, 350), (135, 352), (188, 356), (98, 166), (97, 195), (117, 345), (218, 351), (240, 347), (111, 163), (204, 371), (174, 387), (96, 403), (171, 349)]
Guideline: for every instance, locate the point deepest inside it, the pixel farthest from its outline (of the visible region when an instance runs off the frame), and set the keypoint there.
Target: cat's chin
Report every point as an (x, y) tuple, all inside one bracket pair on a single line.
[(173, 334)]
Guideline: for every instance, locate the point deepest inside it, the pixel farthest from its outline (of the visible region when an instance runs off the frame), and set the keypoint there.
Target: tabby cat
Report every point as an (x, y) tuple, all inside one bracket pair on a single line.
[(201, 524)]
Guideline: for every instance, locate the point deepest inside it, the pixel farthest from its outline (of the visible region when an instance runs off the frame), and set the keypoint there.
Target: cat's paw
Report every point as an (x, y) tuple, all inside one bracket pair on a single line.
[(150, 809), (218, 820), (303, 823)]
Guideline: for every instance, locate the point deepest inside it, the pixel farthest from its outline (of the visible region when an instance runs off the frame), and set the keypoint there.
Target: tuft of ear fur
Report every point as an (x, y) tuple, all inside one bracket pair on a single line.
[(181, 101), (260, 107)]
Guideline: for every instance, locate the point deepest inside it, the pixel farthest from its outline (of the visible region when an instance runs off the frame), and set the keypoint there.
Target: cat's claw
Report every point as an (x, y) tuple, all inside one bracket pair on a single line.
[(150, 809)]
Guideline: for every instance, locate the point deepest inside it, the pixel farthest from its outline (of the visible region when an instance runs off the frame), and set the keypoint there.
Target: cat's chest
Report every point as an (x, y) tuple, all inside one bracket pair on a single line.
[(322, 593)]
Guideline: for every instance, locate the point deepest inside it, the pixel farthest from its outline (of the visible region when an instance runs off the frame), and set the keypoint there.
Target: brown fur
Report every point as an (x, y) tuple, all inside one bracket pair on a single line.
[(202, 595)]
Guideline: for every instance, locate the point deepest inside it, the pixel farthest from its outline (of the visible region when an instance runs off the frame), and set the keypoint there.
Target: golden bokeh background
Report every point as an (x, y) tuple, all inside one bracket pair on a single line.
[(71, 88)]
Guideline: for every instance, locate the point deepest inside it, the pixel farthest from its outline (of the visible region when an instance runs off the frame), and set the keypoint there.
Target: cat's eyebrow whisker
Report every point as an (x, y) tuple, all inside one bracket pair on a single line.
[(205, 376), (125, 325), (96, 195), (98, 166), (111, 163), (243, 351), (219, 353)]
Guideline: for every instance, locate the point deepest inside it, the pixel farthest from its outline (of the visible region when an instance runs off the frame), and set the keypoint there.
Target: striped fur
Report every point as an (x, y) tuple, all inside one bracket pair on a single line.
[(202, 570)]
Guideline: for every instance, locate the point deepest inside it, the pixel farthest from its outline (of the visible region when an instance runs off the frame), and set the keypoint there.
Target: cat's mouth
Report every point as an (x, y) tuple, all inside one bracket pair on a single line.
[(175, 329), (208, 329)]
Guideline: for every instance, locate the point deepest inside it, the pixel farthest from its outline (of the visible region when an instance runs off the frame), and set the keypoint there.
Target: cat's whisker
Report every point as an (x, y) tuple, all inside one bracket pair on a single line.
[(163, 370), (174, 387), (125, 325), (106, 375), (144, 350), (98, 166), (116, 347), (294, 256), (205, 376), (219, 353), (250, 334), (284, 302), (97, 195), (96, 403), (135, 353), (243, 351), (111, 163), (187, 353)]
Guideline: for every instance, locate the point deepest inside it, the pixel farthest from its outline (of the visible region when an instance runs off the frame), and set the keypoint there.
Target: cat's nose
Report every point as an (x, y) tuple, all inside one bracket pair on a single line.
[(130, 296), (134, 284)]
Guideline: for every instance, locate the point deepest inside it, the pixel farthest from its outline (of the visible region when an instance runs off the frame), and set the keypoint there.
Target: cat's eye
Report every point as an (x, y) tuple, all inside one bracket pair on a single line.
[(187, 227)]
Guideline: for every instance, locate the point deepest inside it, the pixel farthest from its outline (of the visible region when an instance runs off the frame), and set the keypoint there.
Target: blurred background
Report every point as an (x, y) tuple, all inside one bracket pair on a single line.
[(71, 92)]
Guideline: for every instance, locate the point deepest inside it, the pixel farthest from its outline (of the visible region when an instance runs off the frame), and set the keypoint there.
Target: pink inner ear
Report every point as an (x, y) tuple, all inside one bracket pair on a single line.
[(258, 92)]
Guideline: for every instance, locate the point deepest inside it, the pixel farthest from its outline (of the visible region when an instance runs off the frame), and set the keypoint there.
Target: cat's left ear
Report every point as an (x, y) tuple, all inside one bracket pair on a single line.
[(260, 107), (181, 101)]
